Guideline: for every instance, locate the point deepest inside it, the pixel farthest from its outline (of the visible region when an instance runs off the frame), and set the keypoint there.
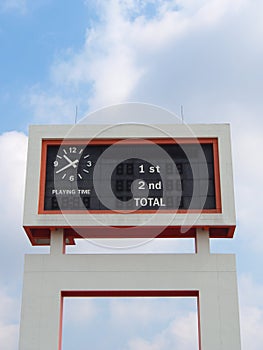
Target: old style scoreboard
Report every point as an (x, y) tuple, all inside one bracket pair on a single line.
[(98, 181)]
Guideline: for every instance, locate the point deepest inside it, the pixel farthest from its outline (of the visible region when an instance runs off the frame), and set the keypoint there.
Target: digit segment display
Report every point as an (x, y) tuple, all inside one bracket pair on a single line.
[(184, 180)]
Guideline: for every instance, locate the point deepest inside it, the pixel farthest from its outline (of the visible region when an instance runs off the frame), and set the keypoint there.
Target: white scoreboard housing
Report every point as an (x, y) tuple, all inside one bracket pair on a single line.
[(71, 167)]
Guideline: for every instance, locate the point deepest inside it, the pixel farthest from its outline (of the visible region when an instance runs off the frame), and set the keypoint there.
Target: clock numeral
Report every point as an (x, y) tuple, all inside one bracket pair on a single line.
[(72, 149), (55, 163), (89, 163), (71, 178)]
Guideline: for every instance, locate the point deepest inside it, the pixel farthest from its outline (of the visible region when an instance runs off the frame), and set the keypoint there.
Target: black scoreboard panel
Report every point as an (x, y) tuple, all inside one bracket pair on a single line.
[(183, 180)]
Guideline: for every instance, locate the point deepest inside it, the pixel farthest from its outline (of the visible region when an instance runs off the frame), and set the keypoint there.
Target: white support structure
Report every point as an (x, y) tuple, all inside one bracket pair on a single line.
[(57, 245), (37, 224), (202, 243), (46, 277)]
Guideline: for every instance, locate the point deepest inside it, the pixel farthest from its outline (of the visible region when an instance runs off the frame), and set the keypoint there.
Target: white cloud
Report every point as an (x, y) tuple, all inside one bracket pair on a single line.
[(128, 52), (8, 322), (251, 313), (143, 311), (8, 308), (79, 311), (250, 292), (251, 328), (51, 107), (9, 337), (211, 12), (131, 246), (248, 169), (166, 323), (13, 148), (181, 334), (132, 323)]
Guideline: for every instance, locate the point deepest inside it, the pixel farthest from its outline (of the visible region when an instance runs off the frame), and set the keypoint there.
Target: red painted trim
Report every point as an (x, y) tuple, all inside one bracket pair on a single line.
[(42, 178), (128, 141), (213, 141), (60, 324), (121, 212), (128, 293), (36, 233), (217, 176), (199, 323)]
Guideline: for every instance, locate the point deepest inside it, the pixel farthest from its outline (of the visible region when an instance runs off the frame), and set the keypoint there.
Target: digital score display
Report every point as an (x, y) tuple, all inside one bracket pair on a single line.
[(86, 176)]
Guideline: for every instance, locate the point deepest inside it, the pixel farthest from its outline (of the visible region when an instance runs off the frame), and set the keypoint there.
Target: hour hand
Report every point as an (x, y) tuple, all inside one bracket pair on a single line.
[(68, 166), (70, 161)]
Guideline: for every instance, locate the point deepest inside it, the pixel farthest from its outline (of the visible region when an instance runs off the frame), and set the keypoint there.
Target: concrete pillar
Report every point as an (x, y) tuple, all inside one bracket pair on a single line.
[(57, 242), (202, 243), (219, 313), (41, 313)]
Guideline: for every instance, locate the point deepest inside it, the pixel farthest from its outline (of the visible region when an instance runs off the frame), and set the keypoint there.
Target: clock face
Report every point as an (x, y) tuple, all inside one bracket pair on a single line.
[(72, 163), (76, 176), (69, 173)]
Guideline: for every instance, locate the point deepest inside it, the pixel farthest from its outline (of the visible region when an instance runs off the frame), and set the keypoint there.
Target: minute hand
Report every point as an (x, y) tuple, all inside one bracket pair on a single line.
[(68, 166), (70, 161)]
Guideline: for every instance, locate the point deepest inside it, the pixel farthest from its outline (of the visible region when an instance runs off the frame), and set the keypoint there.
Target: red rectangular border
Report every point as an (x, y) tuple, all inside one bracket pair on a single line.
[(46, 143), (130, 294)]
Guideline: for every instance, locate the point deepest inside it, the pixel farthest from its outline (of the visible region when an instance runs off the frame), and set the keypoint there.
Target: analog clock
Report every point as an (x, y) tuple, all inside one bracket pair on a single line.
[(72, 163), (69, 172)]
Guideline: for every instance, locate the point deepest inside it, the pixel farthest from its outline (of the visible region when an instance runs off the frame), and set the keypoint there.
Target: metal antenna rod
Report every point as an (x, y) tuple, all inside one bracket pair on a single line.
[(76, 115), (182, 113)]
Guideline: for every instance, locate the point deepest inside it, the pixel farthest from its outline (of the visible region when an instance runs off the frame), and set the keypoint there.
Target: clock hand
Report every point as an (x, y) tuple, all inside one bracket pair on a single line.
[(70, 161), (68, 166)]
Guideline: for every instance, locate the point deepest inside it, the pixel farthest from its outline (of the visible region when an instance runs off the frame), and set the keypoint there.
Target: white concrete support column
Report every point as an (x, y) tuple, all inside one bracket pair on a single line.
[(219, 313), (57, 242), (40, 326), (202, 243), (41, 313)]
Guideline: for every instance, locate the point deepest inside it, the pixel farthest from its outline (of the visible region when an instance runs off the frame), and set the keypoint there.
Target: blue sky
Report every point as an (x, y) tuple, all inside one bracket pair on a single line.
[(32, 35), (203, 54)]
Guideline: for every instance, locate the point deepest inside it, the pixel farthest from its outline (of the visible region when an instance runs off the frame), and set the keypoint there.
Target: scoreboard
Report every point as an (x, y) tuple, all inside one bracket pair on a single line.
[(91, 180)]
